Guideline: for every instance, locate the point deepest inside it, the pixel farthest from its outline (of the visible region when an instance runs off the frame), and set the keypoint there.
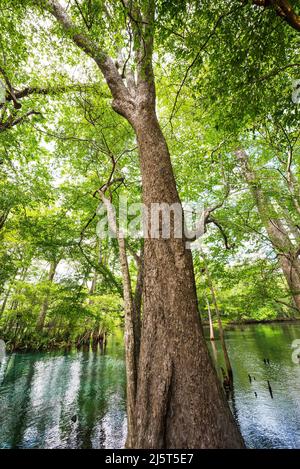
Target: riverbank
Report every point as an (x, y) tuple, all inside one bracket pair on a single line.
[(244, 322), (264, 321), (51, 346)]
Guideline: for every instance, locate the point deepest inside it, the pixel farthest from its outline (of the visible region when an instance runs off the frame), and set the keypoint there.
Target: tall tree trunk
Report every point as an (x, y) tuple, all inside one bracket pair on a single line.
[(45, 304), (211, 327), (180, 403), (279, 238), (220, 325), (137, 303), (130, 325), (131, 363), (95, 274)]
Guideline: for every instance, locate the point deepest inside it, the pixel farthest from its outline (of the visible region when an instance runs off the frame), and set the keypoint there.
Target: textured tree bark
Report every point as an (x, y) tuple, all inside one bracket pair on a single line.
[(290, 270), (288, 255), (45, 305), (283, 9), (180, 403), (294, 190)]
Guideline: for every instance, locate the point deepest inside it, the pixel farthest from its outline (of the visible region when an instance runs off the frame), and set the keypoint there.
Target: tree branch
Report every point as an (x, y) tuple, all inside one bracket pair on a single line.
[(29, 90), (11, 122), (104, 62), (284, 9), (142, 25), (222, 231), (10, 89)]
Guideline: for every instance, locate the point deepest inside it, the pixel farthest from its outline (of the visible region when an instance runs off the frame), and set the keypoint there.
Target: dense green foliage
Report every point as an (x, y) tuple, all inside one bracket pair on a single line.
[(225, 72)]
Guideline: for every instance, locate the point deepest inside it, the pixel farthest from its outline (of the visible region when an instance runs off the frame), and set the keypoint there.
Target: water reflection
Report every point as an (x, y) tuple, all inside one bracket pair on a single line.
[(265, 422), (41, 393), (77, 399)]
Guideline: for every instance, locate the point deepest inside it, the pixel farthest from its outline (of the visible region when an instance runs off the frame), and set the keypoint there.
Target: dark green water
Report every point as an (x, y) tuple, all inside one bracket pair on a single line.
[(40, 392), (265, 422)]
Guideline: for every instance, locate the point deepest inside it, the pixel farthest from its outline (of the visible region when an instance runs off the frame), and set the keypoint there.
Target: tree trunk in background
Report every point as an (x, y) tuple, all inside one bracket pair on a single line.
[(130, 350), (130, 343), (3, 306), (93, 284), (220, 325), (3, 217), (7, 294), (211, 327), (95, 275), (137, 304), (291, 273), (293, 230), (15, 303), (279, 238), (293, 187), (45, 305)]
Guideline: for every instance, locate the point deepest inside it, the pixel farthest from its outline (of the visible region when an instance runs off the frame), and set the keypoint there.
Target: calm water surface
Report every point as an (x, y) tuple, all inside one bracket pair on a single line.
[(41, 392)]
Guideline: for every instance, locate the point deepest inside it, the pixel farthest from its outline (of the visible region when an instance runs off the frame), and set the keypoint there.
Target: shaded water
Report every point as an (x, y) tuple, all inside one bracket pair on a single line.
[(265, 422), (41, 392)]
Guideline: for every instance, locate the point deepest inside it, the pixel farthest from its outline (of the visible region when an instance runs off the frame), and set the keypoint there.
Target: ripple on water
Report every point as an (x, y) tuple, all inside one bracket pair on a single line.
[(41, 392)]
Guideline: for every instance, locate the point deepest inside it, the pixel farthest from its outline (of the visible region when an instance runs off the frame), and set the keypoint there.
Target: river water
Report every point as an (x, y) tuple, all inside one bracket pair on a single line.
[(77, 399)]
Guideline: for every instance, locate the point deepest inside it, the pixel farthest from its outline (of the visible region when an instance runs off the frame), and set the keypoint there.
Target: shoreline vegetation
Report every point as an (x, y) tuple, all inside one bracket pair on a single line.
[(263, 321), (92, 342)]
